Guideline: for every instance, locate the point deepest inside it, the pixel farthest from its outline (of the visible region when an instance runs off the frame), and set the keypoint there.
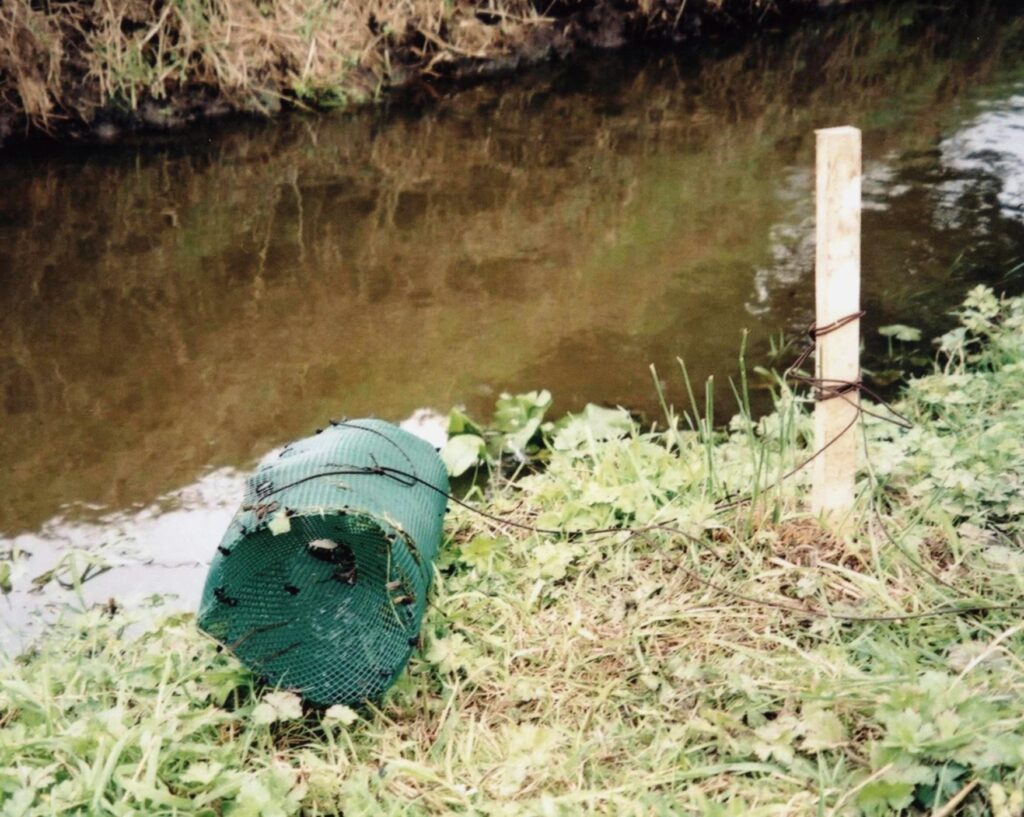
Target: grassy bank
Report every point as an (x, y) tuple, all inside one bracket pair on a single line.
[(717, 671), (71, 65)]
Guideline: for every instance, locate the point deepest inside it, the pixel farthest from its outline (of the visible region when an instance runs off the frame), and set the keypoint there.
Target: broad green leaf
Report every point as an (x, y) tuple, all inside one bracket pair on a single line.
[(552, 560), (882, 797), (593, 423), (775, 739), (519, 416), (462, 452), (339, 713), (478, 550), (256, 799), (902, 332), (894, 791), (822, 730), (460, 423), (202, 772), (450, 653), (222, 681), (19, 804)]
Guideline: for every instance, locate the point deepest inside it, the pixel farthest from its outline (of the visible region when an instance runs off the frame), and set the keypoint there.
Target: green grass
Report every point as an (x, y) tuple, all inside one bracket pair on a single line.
[(631, 673)]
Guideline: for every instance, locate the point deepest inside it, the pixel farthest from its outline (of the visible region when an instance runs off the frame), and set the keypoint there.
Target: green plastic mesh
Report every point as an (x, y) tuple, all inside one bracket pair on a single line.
[(321, 581)]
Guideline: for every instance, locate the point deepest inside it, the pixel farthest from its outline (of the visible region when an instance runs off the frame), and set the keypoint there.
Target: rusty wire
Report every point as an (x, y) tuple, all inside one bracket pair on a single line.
[(821, 390)]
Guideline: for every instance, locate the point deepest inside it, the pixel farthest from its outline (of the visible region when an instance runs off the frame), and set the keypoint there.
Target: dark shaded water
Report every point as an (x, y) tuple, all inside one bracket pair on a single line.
[(172, 310)]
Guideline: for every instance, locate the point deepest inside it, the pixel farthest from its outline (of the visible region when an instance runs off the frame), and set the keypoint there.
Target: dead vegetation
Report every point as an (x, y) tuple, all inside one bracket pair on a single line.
[(68, 65)]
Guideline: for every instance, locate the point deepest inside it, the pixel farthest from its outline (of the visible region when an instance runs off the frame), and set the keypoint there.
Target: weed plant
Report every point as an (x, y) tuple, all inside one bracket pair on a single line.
[(714, 671)]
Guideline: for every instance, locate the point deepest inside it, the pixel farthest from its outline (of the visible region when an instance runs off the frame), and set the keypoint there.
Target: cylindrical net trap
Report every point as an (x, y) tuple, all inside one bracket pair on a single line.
[(321, 581)]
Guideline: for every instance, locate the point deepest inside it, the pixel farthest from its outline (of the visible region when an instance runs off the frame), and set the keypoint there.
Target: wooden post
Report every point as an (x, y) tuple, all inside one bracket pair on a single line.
[(837, 295)]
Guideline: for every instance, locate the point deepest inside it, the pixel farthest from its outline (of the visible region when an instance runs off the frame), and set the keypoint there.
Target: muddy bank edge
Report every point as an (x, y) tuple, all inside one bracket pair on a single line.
[(94, 70)]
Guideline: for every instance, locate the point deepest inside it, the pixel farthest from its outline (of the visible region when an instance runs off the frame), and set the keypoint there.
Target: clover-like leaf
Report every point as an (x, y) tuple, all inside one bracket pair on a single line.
[(278, 706), (450, 653), (477, 551)]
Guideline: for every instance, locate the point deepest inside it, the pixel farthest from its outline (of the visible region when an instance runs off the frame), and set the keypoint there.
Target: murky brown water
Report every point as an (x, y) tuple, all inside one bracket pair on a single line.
[(172, 310)]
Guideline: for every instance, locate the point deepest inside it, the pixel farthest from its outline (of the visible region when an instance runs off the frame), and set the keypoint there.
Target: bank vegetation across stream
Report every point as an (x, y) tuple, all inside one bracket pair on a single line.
[(754, 663), (95, 68)]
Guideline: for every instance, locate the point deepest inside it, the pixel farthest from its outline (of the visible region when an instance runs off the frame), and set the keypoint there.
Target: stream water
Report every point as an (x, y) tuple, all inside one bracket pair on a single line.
[(173, 308)]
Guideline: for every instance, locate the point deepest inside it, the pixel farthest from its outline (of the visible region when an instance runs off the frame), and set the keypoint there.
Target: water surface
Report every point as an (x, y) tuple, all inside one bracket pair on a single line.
[(173, 309)]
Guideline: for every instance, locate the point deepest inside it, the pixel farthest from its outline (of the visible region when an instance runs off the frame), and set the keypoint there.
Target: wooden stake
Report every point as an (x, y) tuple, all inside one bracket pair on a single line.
[(837, 295)]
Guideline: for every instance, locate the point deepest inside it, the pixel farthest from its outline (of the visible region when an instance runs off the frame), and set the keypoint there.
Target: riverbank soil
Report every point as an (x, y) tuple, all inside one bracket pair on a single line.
[(76, 67)]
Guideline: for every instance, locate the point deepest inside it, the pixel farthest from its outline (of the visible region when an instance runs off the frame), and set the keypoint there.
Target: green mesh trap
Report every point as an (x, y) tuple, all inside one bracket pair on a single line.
[(320, 583)]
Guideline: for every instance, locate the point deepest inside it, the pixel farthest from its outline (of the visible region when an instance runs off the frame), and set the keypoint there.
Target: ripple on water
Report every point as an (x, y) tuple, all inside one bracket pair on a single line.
[(986, 158)]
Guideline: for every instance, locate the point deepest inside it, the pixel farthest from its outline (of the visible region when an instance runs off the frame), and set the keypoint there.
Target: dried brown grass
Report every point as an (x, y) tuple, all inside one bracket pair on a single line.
[(70, 63), (75, 59), (30, 60)]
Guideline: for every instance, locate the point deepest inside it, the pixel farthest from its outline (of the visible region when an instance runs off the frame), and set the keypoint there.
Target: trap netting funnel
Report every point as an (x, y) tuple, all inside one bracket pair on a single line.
[(321, 581)]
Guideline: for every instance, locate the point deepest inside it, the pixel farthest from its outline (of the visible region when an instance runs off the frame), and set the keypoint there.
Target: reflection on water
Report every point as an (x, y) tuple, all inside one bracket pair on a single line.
[(161, 549), (986, 158), (173, 310)]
